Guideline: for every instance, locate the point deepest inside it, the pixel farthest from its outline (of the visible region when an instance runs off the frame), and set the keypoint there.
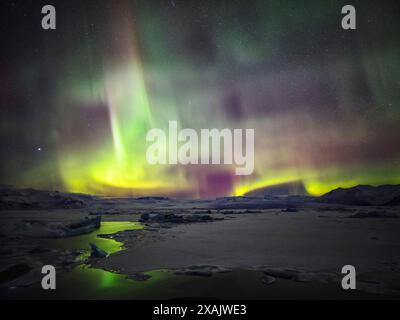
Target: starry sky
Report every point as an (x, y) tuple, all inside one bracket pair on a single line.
[(78, 101)]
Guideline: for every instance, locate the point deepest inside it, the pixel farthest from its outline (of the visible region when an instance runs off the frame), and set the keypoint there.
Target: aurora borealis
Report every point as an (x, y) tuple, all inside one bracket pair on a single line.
[(78, 101)]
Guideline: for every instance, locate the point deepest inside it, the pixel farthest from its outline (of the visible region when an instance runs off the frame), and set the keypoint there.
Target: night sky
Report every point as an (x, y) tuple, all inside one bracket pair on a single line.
[(77, 101)]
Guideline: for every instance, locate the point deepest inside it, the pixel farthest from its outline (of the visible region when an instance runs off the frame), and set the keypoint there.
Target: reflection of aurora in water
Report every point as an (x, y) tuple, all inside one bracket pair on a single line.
[(98, 279), (92, 282), (324, 104), (84, 282), (81, 243), (107, 280), (87, 283)]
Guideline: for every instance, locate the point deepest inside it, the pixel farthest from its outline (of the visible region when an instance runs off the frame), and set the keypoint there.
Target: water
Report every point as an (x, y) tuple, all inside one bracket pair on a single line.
[(85, 282), (81, 243)]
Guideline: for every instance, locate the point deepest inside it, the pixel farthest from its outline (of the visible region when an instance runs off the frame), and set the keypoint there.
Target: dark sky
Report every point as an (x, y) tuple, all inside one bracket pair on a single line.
[(77, 101)]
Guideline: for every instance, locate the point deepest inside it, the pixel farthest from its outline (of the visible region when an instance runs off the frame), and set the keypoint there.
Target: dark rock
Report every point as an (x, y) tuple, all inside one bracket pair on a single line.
[(51, 229), (39, 250), (373, 214), (281, 273), (197, 218), (261, 203), (91, 223), (252, 211), (144, 217), (268, 280), (175, 218), (394, 202), (336, 209), (295, 275), (105, 213), (77, 228), (198, 273), (14, 272), (96, 252), (139, 277), (153, 198), (201, 270)]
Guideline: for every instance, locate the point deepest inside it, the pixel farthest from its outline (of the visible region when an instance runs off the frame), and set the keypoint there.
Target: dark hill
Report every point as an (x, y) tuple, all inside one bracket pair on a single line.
[(30, 199), (363, 195), (284, 189)]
